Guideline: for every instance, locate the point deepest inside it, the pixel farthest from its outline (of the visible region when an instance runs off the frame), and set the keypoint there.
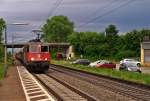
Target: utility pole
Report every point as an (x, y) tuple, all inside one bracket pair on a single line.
[(12, 44), (5, 46), (5, 57)]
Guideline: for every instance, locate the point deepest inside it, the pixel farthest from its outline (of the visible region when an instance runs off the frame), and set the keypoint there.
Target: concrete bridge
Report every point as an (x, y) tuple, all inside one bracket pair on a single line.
[(51, 45), (65, 48)]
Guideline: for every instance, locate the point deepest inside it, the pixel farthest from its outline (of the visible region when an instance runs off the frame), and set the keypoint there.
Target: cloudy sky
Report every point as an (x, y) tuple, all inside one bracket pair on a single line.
[(88, 15)]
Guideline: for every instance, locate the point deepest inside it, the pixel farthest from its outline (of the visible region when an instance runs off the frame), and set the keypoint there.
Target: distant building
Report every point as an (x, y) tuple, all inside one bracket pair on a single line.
[(145, 51), (70, 53)]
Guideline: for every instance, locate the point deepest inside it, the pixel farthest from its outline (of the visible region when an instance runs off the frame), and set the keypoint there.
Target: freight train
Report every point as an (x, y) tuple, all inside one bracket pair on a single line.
[(35, 55)]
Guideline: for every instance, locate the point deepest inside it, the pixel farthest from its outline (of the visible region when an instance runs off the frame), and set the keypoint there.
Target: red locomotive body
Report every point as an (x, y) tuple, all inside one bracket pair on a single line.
[(43, 56), (36, 56)]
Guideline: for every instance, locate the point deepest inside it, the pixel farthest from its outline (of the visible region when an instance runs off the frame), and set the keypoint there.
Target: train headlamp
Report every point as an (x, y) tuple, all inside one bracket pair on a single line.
[(32, 59)]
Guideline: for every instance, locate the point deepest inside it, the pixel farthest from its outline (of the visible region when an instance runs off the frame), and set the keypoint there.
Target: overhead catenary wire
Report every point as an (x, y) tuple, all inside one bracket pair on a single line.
[(107, 13), (52, 11), (101, 8), (57, 4)]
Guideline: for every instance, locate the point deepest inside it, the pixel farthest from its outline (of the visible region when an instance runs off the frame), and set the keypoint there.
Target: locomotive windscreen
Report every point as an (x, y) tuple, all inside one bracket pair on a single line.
[(38, 48), (34, 48)]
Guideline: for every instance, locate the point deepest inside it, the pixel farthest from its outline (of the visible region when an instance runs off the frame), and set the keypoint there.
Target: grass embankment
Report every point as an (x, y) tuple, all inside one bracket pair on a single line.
[(125, 75), (1, 70)]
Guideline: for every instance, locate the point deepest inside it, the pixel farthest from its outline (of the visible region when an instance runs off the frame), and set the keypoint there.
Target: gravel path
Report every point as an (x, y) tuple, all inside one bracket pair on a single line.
[(10, 87)]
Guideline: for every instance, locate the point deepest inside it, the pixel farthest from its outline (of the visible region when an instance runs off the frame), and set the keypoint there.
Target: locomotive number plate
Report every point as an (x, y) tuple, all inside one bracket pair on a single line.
[(39, 56)]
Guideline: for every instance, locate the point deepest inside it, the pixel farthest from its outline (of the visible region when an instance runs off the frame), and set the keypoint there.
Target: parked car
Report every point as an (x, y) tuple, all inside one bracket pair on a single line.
[(106, 64), (130, 67), (93, 64), (82, 62), (128, 61)]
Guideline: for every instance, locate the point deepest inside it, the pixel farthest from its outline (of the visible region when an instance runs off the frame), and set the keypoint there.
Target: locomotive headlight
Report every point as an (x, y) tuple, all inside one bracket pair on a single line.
[(32, 59), (46, 59)]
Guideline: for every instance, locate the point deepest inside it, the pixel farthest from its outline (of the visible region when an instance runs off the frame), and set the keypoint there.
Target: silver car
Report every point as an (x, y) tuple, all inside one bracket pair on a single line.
[(129, 61), (130, 67)]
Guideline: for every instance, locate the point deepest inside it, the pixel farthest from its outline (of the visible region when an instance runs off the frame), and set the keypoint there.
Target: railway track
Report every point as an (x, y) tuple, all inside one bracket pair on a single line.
[(43, 87), (125, 89), (62, 91), (63, 84)]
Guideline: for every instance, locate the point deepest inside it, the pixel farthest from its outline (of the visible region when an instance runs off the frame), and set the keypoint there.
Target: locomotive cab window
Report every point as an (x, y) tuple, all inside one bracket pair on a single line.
[(34, 48), (44, 49)]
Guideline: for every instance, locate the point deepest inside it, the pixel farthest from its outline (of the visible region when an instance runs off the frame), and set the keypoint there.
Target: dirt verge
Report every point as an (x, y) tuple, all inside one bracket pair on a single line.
[(10, 87)]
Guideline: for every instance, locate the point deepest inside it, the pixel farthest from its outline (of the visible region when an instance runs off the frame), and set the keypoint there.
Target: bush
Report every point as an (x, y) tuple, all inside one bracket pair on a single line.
[(1, 53), (125, 54), (1, 70)]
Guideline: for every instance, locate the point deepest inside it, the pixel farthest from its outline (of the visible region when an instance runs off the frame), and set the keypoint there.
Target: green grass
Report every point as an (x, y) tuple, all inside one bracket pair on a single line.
[(130, 76), (1, 70)]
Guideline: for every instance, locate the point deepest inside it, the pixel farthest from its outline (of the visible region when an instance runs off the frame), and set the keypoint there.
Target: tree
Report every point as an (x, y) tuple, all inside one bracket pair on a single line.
[(125, 54), (1, 52), (87, 43), (111, 30), (57, 29), (132, 40), (2, 27), (104, 50), (112, 38)]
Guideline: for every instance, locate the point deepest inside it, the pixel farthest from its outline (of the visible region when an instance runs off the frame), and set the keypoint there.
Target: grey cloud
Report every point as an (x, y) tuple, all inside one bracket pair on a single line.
[(35, 12)]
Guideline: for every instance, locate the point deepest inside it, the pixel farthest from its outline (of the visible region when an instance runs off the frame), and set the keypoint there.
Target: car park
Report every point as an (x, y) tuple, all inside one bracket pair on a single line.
[(82, 62), (130, 61), (130, 67), (106, 64)]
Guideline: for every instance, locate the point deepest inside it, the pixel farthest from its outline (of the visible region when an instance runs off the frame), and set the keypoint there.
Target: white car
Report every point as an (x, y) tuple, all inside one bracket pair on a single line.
[(128, 61), (93, 64)]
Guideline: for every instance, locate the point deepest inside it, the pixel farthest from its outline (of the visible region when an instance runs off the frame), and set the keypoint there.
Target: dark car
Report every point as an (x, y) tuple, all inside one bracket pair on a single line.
[(130, 67), (82, 62), (106, 64)]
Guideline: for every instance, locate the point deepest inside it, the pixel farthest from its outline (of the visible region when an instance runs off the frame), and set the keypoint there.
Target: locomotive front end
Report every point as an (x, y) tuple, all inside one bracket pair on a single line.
[(38, 57)]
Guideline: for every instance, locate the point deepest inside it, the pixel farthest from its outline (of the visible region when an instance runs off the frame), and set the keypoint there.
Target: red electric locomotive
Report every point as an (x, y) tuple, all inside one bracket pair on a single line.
[(36, 56)]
